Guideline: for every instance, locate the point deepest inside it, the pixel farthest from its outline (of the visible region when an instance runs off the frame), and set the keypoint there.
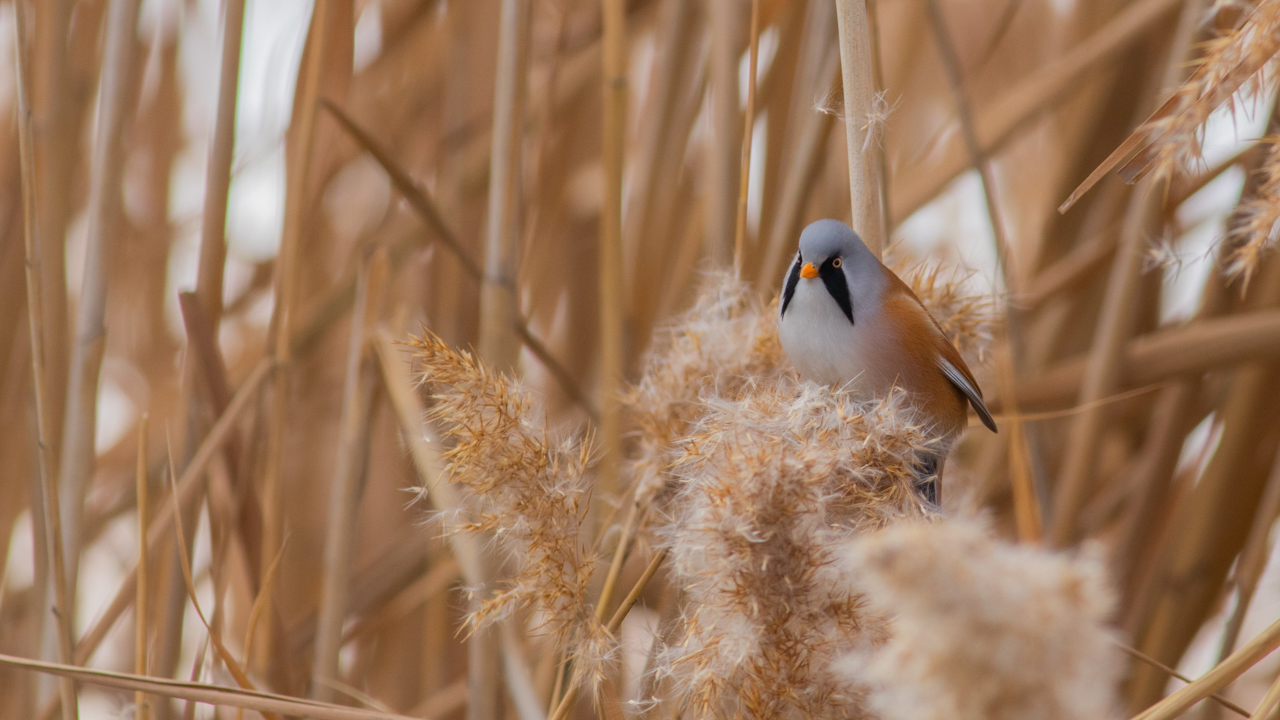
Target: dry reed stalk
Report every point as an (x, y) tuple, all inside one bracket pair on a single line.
[(748, 124), (1068, 272), (865, 114), (191, 691), (801, 174), (723, 146), (345, 493), (58, 121), (444, 703), (1027, 508), (162, 525), (430, 466), (499, 301), (660, 146), (1166, 354), (1216, 697), (1000, 120), (51, 512), (422, 203), (1268, 703), (425, 589), (1253, 560), (981, 629), (818, 71), (299, 160), (228, 660), (213, 219), (1202, 553), (610, 283), (1219, 677), (785, 100), (607, 704), (140, 615), (75, 467)]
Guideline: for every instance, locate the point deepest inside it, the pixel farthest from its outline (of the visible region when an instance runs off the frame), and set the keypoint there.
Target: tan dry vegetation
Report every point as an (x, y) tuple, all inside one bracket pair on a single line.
[(517, 260)]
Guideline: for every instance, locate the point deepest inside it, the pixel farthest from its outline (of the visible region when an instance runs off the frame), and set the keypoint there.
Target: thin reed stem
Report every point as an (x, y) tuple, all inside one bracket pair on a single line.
[(296, 202), (213, 219), (341, 535), (55, 568), (615, 623), (612, 311), (75, 467), (863, 121), (499, 300), (140, 616), (748, 124)]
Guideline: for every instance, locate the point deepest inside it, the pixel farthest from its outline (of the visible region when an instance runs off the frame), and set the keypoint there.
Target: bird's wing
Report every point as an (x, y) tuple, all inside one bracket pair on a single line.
[(948, 358), (960, 377)]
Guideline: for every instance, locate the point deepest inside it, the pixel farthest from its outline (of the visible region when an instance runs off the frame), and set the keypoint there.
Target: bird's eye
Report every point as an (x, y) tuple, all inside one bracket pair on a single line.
[(836, 263)]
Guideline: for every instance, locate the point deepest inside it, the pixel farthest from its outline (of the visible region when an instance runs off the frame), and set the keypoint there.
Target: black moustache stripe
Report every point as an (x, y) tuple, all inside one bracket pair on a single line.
[(793, 279), (833, 278)]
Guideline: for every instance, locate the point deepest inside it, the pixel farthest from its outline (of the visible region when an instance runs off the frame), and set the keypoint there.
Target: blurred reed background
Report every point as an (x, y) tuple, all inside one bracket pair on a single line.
[(233, 211)]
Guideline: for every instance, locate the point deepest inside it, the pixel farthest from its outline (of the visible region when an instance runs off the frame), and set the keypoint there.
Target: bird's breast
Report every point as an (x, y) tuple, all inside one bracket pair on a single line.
[(869, 357), (823, 345)]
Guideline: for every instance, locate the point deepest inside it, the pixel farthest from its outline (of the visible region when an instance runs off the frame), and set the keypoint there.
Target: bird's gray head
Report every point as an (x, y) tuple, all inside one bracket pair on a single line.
[(832, 251), (826, 239)]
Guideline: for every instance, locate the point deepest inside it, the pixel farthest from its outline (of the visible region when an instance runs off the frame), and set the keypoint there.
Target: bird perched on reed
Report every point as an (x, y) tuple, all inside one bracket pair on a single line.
[(848, 321)]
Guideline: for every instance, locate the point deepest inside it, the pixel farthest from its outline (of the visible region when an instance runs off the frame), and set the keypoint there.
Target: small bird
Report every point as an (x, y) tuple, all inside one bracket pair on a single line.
[(847, 320)]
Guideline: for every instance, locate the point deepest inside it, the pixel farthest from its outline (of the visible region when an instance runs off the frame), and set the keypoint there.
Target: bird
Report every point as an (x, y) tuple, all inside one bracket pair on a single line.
[(846, 320)]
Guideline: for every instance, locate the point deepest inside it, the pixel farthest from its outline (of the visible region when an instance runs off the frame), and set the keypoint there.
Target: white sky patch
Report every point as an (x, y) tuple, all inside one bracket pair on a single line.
[(1228, 130), (116, 413), (755, 183), (19, 566), (954, 228), (767, 48), (1204, 217), (368, 36)]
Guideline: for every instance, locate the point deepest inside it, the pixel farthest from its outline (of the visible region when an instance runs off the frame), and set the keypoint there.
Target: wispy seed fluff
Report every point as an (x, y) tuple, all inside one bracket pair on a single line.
[(983, 630), (726, 343), (1259, 219), (772, 487), (530, 493), (727, 346), (1228, 62)]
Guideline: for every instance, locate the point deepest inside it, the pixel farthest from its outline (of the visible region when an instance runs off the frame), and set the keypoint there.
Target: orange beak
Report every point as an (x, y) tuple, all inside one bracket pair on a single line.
[(808, 271)]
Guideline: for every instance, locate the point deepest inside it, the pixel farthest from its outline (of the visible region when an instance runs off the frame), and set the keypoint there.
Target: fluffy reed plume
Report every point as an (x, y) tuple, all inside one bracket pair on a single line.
[(725, 344), (968, 320), (1228, 63), (983, 630), (772, 485), (1258, 215), (529, 492)]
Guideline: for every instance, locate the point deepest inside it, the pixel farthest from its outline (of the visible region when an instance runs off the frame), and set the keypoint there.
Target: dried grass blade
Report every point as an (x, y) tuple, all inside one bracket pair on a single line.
[(1219, 677), (417, 197), (864, 129), (1134, 652), (51, 511), (233, 666), (140, 601), (162, 525), (255, 700)]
